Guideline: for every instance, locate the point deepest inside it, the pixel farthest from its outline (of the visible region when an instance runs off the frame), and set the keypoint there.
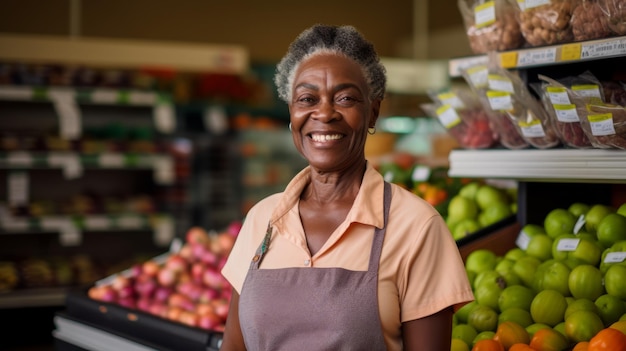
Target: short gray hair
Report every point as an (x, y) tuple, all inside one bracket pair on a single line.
[(342, 40)]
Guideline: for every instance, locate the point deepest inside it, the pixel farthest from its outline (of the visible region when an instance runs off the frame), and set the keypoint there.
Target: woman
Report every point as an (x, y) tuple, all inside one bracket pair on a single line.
[(341, 260)]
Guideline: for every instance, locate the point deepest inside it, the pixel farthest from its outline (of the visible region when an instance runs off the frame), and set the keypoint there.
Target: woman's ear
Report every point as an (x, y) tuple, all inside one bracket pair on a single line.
[(375, 108)]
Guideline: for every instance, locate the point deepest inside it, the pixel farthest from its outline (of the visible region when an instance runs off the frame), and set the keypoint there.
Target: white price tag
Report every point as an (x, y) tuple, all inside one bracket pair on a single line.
[(615, 257), (500, 100), (104, 96), (420, 174), (534, 129), (163, 231), (534, 57), (448, 116), (98, 223), (558, 95), (130, 222), (587, 90), (485, 14), (601, 124), (603, 49), (579, 223), (18, 188), (478, 76), (111, 160), (69, 235), (141, 98), (566, 113), (15, 224), (568, 244), (529, 4), (20, 159), (451, 99), (500, 83), (69, 162), (67, 110), (164, 170), (164, 118), (522, 241)]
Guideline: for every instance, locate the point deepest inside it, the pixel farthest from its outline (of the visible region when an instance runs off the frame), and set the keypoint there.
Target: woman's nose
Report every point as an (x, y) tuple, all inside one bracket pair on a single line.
[(326, 111)]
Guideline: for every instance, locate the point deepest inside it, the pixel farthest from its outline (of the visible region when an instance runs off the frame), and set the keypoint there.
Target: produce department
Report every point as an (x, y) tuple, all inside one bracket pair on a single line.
[(136, 196)]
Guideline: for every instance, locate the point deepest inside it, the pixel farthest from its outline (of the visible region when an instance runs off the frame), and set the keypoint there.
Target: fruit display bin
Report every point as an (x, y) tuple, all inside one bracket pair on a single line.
[(498, 237), (132, 326)]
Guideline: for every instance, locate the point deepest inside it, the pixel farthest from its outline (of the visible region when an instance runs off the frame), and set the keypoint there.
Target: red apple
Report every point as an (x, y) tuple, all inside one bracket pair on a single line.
[(167, 277), (176, 263), (150, 268), (209, 321), (197, 235)]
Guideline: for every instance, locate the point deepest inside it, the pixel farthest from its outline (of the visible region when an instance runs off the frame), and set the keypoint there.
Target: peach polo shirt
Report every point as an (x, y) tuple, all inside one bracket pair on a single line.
[(421, 271)]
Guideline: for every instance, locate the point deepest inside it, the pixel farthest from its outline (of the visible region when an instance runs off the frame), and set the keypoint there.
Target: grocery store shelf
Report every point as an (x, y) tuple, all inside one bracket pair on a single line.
[(84, 95), (33, 298), (546, 55), (591, 165)]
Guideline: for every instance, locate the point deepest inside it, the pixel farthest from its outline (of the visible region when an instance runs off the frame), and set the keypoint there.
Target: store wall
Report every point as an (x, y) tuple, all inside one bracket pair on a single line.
[(264, 27)]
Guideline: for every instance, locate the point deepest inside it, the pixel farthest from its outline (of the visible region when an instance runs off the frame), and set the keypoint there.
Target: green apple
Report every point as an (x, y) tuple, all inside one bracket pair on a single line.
[(488, 195), (595, 215), (610, 308), (481, 260)]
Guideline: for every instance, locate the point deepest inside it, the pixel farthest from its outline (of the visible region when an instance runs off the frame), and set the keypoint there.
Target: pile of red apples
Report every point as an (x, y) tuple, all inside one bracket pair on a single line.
[(185, 286)]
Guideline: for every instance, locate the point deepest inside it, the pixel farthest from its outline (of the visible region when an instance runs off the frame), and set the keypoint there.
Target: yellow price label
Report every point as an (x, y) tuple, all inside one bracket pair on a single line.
[(571, 52), (508, 59)]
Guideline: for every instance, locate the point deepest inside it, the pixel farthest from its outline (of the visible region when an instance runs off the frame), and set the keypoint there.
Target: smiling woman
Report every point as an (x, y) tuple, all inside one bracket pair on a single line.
[(341, 259)]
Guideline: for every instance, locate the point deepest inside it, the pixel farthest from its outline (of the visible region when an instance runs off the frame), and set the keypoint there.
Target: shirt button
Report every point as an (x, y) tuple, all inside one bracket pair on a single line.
[(307, 262)]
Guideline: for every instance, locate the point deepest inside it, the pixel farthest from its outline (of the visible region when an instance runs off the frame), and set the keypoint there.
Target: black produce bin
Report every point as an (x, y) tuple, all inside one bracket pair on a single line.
[(139, 326), (498, 237)]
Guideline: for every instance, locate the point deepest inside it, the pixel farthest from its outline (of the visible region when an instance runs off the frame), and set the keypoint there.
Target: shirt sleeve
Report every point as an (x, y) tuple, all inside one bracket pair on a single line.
[(435, 276)]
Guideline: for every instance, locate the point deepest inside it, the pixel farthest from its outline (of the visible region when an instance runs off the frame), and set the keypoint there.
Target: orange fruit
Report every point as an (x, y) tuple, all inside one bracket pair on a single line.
[(510, 333), (581, 346), (521, 347), (619, 325), (608, 339), (488, 345), (548, 339)]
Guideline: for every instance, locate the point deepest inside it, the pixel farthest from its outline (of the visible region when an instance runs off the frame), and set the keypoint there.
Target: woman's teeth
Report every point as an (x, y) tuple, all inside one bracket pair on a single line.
[(322, 138)]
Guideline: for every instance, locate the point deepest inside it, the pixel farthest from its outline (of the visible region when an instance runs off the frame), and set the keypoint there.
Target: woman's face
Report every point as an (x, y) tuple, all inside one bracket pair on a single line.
[(331, 112)]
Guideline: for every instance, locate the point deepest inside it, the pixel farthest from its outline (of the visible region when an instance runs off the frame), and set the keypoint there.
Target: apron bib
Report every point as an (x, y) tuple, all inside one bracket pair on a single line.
[(312, 308)]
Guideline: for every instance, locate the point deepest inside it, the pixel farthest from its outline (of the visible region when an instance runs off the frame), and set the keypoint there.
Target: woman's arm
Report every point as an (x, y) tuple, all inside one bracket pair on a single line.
[(432, 333), (233, 339)]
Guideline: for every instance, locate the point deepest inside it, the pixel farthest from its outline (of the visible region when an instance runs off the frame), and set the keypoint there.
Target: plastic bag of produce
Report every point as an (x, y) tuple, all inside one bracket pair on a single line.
[(459, 111), (607, 123), (491, 25), (510, 137), (589, 21), (546, 22), (615, 10), (583, 90), (563, 112)]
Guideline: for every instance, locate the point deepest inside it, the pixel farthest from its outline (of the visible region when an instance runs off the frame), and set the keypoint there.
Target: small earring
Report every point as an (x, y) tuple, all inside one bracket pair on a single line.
[(289, 125), (371, 131)]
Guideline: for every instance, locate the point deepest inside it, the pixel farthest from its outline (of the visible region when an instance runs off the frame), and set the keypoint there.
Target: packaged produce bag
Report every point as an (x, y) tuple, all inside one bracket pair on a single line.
[(558, 103), (589, 22), (459, 110), (491, 25), (615, 10), (546, 22)]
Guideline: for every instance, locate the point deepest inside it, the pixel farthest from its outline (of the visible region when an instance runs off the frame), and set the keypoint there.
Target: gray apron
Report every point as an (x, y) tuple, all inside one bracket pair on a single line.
[(312, 308)]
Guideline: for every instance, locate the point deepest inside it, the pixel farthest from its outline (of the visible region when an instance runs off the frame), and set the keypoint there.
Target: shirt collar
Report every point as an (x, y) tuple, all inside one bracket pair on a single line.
[(367, 208)]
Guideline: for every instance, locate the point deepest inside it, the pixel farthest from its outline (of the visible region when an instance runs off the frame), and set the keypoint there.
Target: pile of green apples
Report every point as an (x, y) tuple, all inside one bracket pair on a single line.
[(478, 205), (567, 274)]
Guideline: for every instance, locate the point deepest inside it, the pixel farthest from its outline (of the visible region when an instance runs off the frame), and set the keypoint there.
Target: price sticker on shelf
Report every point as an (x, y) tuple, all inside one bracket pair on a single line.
[(64, 101), (68, 162), (20, 159), (141, 98), (130, 222), (70, 235), (615, 257), (567, 244), (535, 57), (163, 231), (420, 173), (164, 172), (571, 52), (111, 160), (104, 96), (164, 118), (15, 224), (18, 188), (600, 49), (508, 59), (98, 223)]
